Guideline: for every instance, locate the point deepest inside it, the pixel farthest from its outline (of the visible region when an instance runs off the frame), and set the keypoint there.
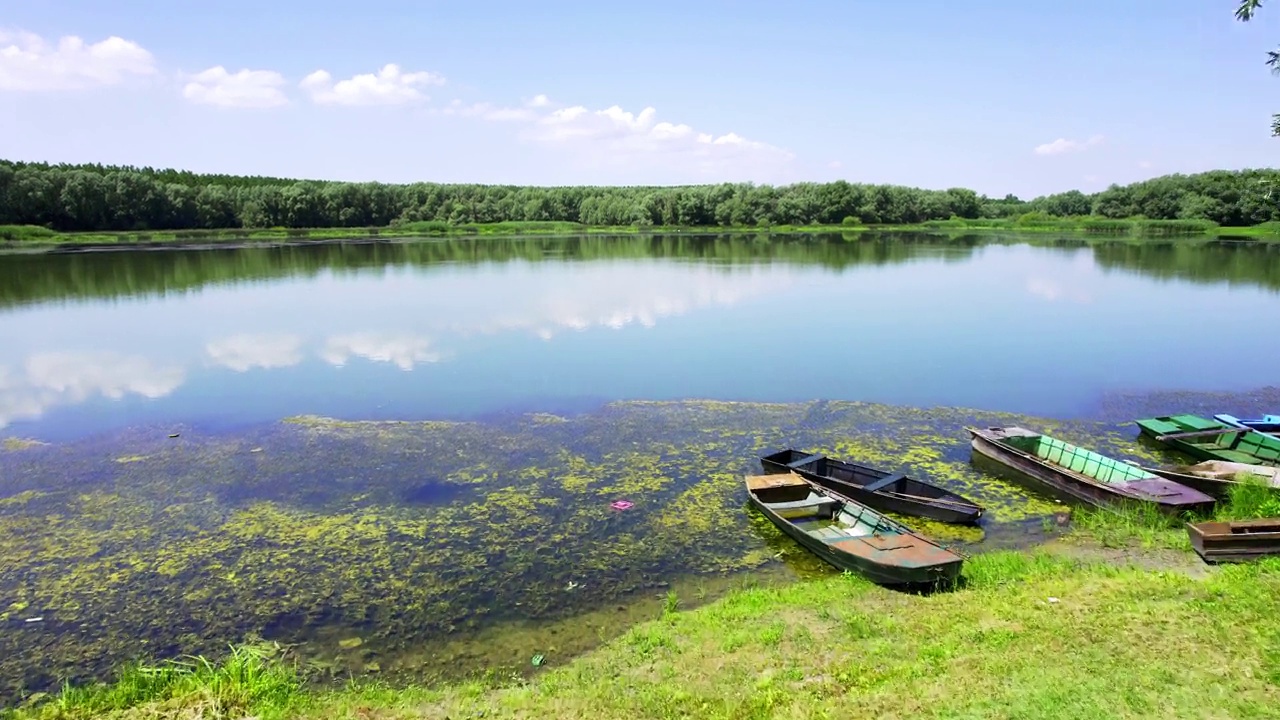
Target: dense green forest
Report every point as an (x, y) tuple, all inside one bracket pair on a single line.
[(103, 198)]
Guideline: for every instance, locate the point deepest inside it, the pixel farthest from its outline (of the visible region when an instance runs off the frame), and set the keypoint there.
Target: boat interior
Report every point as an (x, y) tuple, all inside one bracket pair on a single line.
[(818, 515), (1077, 459), (865, 478), (1269, 424), (1246, 447)]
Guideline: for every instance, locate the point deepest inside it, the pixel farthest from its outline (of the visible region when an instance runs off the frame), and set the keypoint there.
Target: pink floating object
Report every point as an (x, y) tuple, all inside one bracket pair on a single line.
[(622, 505)]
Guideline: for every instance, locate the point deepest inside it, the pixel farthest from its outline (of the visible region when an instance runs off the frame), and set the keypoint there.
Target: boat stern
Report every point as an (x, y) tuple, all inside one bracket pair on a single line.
[(903, 559), (1170, 496)]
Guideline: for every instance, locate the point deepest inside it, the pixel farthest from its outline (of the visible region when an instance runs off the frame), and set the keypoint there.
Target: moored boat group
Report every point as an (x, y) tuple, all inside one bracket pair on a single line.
[(839, 509)]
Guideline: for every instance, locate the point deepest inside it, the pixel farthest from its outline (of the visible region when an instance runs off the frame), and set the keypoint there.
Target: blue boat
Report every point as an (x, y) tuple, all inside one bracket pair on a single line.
[(1269, 424)]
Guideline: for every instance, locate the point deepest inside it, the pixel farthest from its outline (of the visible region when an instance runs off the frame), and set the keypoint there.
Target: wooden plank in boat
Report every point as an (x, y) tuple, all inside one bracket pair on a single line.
[(764, 482), (884, 482), (806, 460), (889, 542), (1202, 433)]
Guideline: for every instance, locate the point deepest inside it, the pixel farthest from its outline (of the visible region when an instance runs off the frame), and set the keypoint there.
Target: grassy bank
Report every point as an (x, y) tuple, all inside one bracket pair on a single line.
[(19, 236), (1059, 631), (1033, 635)]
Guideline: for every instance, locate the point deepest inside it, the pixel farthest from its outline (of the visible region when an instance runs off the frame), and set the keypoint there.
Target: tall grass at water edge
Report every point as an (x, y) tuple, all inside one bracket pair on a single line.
[(1146, 526), (253, 680)]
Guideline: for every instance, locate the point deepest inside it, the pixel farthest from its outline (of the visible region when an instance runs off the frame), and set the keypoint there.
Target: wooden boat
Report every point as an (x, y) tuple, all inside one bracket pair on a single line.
[(1235, 541), (1217, 477), (887, 492), (1206, 439), (1267, 424), (1076, 474), (848, 535)]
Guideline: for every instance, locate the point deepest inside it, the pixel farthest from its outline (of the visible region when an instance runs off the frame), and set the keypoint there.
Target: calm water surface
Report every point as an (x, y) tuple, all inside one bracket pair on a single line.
[(455, 329)]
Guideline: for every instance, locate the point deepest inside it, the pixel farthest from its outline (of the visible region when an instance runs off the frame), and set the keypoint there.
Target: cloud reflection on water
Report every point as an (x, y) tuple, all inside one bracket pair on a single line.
[(247, 351), (1052, 291), (445, 312), (403, 350), (616, 298), (49, 379)]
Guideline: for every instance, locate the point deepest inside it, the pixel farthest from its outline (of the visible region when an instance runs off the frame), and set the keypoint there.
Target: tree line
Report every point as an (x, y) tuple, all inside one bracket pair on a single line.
[(107, 198)]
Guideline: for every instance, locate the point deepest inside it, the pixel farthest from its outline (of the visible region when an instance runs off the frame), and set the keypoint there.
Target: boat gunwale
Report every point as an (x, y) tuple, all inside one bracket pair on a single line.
[(962, 506), (1198, 529), (986, 436)]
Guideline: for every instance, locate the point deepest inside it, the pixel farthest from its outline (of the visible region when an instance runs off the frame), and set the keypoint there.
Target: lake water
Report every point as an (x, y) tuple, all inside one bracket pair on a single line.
[(461, 329), (170, 511)]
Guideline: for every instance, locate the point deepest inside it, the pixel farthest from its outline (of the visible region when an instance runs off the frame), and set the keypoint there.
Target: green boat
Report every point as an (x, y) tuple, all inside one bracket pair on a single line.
[(1075, 474), (1207, 439)]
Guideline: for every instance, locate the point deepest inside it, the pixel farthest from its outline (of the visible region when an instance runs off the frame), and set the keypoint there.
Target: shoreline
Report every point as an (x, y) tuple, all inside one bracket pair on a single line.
[(1023, 627), (45, 241), (1087, 589)]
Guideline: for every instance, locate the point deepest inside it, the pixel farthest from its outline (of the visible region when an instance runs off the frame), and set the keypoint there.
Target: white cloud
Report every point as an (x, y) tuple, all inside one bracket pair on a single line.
[(61, 378), (1063, 145), (28, 62), (614, 135), (244, 89), (835, 164), (1144, 164), (390, 86), (402, 350), (245, 352)]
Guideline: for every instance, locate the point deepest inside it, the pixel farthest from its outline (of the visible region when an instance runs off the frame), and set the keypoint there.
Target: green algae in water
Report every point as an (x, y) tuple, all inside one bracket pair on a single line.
[(413, 536)]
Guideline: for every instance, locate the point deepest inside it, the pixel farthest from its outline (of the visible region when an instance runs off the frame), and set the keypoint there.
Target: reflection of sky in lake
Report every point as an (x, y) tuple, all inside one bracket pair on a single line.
[(1009, 327)]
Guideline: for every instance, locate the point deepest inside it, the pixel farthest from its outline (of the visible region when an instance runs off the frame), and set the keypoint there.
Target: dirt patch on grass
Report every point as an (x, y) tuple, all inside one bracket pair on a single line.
[(1155, 559)]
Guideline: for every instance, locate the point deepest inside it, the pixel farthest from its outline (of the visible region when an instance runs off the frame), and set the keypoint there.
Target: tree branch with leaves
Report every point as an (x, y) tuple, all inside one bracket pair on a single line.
[(1245, 13)]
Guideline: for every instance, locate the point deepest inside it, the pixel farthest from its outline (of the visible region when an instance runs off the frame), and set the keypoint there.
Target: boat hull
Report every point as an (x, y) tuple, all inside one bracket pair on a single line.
[(1246, 445), (894, 558), (1171, 497), (945, 506), (1268, 424), (1214, 487), (1240, 541)]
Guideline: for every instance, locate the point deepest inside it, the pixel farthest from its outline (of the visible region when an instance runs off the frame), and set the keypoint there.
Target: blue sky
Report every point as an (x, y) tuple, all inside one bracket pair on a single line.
[(930, 94)]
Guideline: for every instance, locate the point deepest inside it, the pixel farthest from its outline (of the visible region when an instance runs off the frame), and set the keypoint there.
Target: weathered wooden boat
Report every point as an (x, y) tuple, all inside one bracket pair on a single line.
[(1076, 474), (1268, 424), (1235, 541), (1217, 477), (884, 491), (1206, 439), (849, 535)]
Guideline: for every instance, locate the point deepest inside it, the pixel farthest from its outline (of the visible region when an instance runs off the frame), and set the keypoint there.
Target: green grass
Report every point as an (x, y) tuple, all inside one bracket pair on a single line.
[(39, 237), (1033, 636), (1142, 525), (26, 233), (1030, 635), (1107, 227), (251, 681)]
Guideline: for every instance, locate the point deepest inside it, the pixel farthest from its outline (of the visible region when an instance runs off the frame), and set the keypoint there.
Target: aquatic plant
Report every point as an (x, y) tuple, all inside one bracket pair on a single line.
[(410, 535)]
